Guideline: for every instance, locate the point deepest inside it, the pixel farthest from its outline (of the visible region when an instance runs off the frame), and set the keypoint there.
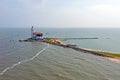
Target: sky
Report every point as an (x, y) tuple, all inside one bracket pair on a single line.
[(60, 13)]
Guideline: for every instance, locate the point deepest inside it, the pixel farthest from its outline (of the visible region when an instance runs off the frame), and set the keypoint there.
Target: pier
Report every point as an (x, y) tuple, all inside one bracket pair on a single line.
[(77, 38)]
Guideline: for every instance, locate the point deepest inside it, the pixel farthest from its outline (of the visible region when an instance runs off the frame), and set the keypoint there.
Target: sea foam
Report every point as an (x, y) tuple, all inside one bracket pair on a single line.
[(23, 61)]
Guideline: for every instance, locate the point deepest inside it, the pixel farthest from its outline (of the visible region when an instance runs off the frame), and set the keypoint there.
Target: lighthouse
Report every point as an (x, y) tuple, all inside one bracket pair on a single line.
[(36, 35), (32, 30)]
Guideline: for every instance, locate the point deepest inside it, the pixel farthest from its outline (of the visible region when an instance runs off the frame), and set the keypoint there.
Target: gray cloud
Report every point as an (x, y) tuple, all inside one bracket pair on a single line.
[(56, 13)]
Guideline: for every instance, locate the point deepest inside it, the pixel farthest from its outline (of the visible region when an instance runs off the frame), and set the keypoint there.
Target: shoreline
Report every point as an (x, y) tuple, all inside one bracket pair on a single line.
[(117, 60), (114, 57)]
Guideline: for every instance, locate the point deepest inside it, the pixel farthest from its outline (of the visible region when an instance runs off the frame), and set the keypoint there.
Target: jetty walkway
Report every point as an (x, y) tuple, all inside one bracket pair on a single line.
[(77, 38)]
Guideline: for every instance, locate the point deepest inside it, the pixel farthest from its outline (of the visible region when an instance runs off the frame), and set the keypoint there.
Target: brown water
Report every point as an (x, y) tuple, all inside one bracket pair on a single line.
[(48, 62)]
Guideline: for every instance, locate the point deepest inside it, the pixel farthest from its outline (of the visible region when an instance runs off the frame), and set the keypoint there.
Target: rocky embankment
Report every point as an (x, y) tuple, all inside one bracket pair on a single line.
[(58, 42)]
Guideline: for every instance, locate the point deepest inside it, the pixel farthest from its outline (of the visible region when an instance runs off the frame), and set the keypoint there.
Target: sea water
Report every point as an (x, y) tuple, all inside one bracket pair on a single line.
[(42, 61), (108, 38)]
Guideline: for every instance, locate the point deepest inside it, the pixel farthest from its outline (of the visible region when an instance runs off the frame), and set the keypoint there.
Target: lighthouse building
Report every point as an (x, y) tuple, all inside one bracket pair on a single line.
[(36, 35)]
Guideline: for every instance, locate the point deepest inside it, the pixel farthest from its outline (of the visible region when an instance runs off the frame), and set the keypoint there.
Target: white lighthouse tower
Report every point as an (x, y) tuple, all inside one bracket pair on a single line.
[(32, 31)]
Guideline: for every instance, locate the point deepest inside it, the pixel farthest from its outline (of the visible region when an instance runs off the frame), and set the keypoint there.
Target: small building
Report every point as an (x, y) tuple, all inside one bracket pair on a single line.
[(36, 35)]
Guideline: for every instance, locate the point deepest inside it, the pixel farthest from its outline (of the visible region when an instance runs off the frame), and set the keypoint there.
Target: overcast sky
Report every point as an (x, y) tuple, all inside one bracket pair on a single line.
[(60, 13)]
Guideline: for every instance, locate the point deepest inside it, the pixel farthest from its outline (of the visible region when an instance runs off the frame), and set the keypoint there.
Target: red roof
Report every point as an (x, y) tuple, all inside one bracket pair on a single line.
[(37, 33)]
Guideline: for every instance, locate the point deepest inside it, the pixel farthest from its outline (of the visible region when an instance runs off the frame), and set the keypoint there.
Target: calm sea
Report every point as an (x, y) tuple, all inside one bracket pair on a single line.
[(42, 61)]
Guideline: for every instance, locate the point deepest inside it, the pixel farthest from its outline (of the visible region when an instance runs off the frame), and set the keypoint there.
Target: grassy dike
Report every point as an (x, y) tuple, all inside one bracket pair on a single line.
[(58, 42), (54, 41), (111, 54)]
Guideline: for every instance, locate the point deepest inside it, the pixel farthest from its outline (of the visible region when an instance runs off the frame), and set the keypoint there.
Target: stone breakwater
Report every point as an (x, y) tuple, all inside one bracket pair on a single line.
[(58, 42)]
